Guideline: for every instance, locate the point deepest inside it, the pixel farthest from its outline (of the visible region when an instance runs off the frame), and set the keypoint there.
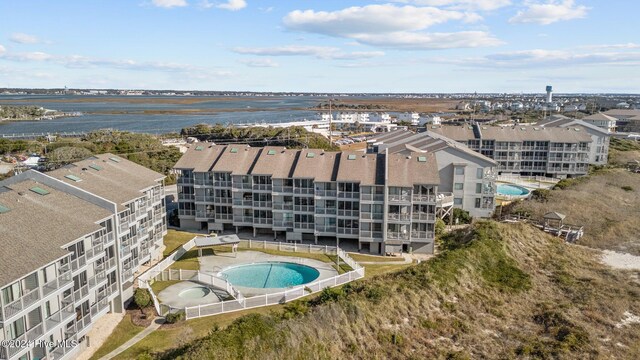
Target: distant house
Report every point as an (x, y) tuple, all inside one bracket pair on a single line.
[(603, 121)]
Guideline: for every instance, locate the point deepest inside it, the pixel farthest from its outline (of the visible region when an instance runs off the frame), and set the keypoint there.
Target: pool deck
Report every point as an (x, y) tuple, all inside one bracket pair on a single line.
[(171, 295), (213, 264)]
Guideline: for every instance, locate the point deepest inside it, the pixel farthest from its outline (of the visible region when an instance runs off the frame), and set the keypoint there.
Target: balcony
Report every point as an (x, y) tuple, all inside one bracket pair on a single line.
[(367, 234), (243, 219), (421, 235), (186, 197), (348, 231), (83, 323), (325, 229), (56, 284), (25, 301), (262, 204), (78, 262), (221, 216), (303, 191), (81, 293), (424, 198), (98, 279), (185, 180), (222, 184), (27, 338), (422, 216), (263, 221), (205, 198), (205, 214), (282, 224), (246, 186), (348, 213), (393, 235), (348, 195), (101, 305), (304, 208), (326, 193), (326, 211), (262, 187), (399, 217), (400, 198), (304, 226), (223, 200), (282, 206), (371, 216), (63, 316), (374, 197), (242, 202), (282, 189)]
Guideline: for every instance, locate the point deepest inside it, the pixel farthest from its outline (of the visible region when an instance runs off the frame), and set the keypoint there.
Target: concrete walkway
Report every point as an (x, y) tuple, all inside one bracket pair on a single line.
[(407, 259), (122, 348)]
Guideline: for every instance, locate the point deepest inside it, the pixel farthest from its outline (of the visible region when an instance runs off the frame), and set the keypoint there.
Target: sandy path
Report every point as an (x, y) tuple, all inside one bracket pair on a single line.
[(621, 260)]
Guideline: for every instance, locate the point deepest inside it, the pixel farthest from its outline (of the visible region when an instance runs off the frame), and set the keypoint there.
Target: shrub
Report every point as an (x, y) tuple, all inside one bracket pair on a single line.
[(327, 295), (462, 216), (540, 195), (294, 309), (175, 317), (627, 188), (142, 298), (440, 227)]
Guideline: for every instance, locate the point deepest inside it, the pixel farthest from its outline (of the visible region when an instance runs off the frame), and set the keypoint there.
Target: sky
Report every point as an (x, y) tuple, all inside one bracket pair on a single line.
[(392, 46)]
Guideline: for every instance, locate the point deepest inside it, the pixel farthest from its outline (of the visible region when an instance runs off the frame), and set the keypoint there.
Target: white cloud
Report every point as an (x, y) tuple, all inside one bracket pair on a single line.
[(430, 41), (549, 12), (483, 5), (371, 19), (2, 50), (612, 46), (391, 26), (320, 52), (260, 62), (233, 5), (22, 38), (169, 3)]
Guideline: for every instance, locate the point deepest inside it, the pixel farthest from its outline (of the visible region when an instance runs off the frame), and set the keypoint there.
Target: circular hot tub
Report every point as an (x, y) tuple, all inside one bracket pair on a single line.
[(197, 292)]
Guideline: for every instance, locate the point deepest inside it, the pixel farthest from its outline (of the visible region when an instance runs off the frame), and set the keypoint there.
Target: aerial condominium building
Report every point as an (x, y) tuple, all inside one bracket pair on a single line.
[(73, 240), (467, 177), (385, 202), (600, 134), (527, 150)]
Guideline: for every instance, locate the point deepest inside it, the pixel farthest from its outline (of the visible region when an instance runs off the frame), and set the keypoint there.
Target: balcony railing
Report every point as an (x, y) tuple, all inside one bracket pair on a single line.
[(185, 180), (63, 316), (100, 277), (301, 190), (348, 213), (326, 193), (282, 189), (348, 195), (239, 185), (348, 231), (263, 221), (326, 211), (401, 198), (421, 235), (185, 212), (56, 284), (424, 198), (242, 202), (186, 197), (393, 235), (25, 301), (262, 187), (282, 224), (282, 206), (372, 197), (205, 214), (303, 208), (81, 293), (221, 216), (220, 183), (371, 216), (262, 204), (222, 200), (78, 262), (304, 226), (421, 216), (370, 234), (83, 323), (205, 198), (399, 217), (242, 219), (325, 229)]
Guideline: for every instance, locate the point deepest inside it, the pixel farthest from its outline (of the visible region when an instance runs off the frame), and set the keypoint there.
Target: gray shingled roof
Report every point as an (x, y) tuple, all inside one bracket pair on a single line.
[(275, 161), (119, 182), (237, 159), (407, 170), (199, 157), (322, 167), (366, 169), (37, 226), (514, 133)]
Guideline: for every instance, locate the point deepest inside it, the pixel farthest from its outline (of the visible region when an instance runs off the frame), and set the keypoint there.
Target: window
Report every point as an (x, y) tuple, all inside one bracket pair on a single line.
[(459, 170), (478, 201), (478, 188), (479, 173), (458, 186), (457, 201)]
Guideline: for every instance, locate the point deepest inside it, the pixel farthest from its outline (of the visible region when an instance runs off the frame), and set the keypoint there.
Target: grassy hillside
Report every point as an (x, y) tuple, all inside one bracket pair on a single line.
[(496, 291), (607, 203)]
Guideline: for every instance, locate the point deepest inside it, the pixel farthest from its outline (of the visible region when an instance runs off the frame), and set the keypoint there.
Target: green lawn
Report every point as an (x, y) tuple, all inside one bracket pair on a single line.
[(374, 258), (161, 285), (188, 261), (174, 239), (163, 339), (378, 269), (120, 335)]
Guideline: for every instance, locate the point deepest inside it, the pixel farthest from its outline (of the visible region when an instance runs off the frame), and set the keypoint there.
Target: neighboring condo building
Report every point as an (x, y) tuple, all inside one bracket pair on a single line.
[(599, 147), (527, 150), (385, 202), (465, 174), (603, 121), (69, 253)]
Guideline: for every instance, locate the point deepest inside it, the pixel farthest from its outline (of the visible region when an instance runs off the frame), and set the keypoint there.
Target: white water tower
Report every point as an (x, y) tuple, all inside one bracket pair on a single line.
[(549, 93)]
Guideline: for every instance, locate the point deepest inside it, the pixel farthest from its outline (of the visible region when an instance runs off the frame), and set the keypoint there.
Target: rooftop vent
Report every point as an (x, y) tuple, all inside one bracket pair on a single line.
[(95, 167), (38, 190), (310, 154), (233, 150), (351, 157), (114, 159), (199, 148), (422, 159), (271, 152)]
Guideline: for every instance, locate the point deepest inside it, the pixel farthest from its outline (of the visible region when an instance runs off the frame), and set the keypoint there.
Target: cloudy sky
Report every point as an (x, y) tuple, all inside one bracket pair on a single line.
[(322, 45)]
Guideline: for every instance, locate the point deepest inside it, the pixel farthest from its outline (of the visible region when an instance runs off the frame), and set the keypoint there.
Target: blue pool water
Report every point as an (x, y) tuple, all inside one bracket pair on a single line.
[(510, 189), (270, 275)]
